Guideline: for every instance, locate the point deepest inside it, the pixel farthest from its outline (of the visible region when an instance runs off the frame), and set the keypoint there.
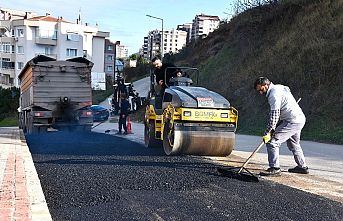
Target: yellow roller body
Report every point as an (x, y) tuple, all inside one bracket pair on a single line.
[(199, 131), (190, 120)]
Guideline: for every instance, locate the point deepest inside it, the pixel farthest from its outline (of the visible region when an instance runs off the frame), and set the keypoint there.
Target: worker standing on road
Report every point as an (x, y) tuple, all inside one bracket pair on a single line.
[(283, 107), (123, 113)]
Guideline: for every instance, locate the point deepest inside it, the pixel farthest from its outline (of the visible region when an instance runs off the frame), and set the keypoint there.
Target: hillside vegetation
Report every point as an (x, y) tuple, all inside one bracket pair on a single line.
[(298, 43)]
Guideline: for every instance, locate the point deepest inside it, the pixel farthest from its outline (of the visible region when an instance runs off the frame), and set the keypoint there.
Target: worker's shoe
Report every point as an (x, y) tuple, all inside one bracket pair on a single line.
[(271, 171), (297, 169)]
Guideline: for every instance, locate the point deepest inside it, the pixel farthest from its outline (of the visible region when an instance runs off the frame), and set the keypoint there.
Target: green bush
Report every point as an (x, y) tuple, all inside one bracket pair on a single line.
[(9, 102)]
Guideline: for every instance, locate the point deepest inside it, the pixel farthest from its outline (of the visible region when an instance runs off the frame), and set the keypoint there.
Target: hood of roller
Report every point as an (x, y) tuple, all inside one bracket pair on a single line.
[(198, 97)]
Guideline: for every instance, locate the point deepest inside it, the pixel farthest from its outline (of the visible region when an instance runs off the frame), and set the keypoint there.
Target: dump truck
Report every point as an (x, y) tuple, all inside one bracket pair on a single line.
[(189, 119), (55, 95)]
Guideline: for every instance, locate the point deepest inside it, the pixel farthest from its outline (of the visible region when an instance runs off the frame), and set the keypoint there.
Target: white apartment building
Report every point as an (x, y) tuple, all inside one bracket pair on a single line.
[(173, 42), (187, 27), (25, 37), (203, 25), (122, 51)]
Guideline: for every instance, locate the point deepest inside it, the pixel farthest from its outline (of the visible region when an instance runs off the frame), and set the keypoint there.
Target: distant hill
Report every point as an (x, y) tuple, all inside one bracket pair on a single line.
[(298, 43)]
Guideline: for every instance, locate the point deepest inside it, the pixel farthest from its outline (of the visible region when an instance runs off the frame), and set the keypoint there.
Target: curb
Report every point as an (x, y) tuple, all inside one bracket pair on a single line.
[(38, 205)]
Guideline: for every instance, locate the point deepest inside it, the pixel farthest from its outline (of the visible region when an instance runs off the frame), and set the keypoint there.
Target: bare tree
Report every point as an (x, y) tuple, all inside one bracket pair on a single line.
[(242, 5)]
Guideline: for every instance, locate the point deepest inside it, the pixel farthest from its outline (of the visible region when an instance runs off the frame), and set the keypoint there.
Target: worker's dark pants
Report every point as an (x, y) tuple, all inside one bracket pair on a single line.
[(122, 122)]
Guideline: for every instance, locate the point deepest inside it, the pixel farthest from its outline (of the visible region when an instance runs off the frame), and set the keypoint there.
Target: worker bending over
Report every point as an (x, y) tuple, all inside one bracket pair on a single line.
[(283, 108)]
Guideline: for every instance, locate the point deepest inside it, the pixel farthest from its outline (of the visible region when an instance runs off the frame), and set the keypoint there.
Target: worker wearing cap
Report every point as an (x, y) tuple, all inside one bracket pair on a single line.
[(285, 124)]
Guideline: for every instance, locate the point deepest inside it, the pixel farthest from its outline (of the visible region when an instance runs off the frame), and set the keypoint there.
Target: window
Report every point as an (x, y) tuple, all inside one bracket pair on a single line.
[(7, 64), (72, 37), (20, 32), (109, 57), (110, 48), (20, 49), (48, 50), (6, 47), (109, 68), (20, 65), (71, 52)]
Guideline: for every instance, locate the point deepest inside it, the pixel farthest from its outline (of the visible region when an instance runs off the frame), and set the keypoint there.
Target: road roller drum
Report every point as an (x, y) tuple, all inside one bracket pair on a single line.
[(191, 120)]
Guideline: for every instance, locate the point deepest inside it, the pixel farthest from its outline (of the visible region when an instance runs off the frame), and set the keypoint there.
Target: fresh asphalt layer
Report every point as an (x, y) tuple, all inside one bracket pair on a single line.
[(98, 176)]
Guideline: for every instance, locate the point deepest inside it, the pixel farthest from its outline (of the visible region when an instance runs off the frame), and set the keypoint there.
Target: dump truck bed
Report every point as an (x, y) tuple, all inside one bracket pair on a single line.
[(45, 83)]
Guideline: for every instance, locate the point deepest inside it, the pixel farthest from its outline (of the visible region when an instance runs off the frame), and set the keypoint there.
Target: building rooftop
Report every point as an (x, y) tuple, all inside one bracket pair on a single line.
[(48, 18)]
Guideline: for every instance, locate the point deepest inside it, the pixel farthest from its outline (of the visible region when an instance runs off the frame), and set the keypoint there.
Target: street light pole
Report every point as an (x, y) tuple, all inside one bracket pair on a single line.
[(115, 60), (162, 43)]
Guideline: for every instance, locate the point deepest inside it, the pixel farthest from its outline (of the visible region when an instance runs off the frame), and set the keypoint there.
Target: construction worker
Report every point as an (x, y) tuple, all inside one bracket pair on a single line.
[(285, 124), (161, 69), (123, 113)]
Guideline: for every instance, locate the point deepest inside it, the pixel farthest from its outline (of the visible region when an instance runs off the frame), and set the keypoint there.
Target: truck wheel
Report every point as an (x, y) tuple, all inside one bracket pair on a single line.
[(149, 136), (88, 128), (43, 129), (35, 130)]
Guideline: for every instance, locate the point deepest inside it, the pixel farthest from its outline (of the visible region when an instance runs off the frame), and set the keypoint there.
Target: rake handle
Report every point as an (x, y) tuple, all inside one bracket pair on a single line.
[(251, 156)]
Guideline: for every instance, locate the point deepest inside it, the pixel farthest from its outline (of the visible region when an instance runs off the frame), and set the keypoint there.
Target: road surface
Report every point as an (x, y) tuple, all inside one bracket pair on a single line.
[(98, 176)]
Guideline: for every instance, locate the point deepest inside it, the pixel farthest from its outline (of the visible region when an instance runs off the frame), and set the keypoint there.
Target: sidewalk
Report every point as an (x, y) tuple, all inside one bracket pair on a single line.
[(21, 195)]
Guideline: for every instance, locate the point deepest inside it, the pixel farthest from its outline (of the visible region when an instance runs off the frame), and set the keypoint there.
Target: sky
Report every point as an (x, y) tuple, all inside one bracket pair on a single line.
[(126, 20)]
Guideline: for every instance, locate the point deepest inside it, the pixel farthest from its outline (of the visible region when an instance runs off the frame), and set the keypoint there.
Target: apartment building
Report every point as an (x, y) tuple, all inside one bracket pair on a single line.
[(23, 35), (122, 51), (203, 25), (152, 44), (173, 42), (113, 51), (187, 27)]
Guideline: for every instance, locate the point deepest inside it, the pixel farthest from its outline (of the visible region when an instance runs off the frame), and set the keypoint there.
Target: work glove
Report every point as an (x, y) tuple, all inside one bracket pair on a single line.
[(266, 138)]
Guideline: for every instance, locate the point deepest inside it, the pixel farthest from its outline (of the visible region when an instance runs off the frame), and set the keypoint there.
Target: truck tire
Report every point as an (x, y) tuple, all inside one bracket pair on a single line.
[(149, 136), (43, 129)]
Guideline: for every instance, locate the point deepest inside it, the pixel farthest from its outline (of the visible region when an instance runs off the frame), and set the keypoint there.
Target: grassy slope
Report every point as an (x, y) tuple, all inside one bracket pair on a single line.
[(297, 43)]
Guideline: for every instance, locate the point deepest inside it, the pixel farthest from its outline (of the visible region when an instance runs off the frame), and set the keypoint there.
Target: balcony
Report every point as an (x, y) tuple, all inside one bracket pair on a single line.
[(6, 24), (10, 40), (9, 72), (46, 41), (46, 37), (7, 55)]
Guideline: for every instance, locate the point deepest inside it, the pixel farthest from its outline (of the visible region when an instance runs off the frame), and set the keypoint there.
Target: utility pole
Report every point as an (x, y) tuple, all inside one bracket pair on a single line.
[(162, 43)]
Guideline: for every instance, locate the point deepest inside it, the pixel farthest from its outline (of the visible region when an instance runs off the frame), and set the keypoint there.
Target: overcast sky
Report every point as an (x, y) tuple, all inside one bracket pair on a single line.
[(126, 20)]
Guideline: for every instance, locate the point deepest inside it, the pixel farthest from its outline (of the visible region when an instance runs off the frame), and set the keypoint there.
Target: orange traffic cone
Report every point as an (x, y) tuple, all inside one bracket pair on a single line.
[(129, 129)]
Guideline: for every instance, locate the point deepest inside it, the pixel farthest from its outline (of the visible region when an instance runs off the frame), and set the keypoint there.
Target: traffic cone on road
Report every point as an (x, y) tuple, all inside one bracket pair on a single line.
[(129, 129)]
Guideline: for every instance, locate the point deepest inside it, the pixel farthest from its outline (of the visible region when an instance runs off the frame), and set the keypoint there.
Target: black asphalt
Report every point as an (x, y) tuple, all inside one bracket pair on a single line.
[(95, 176)]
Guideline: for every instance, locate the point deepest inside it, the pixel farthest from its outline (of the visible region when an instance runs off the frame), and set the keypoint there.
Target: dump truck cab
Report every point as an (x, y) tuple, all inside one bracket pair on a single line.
[(189, 119)]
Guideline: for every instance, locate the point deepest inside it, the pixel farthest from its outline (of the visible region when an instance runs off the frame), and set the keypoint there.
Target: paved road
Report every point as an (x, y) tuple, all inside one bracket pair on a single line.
[(324, 160), (97, 176)]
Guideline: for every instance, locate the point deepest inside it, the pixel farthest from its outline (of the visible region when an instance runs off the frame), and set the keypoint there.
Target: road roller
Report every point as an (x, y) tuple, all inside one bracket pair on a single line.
[(186, 119)]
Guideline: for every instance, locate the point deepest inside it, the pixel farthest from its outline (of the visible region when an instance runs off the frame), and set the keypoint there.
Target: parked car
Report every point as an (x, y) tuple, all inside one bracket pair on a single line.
[(100, 113)]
